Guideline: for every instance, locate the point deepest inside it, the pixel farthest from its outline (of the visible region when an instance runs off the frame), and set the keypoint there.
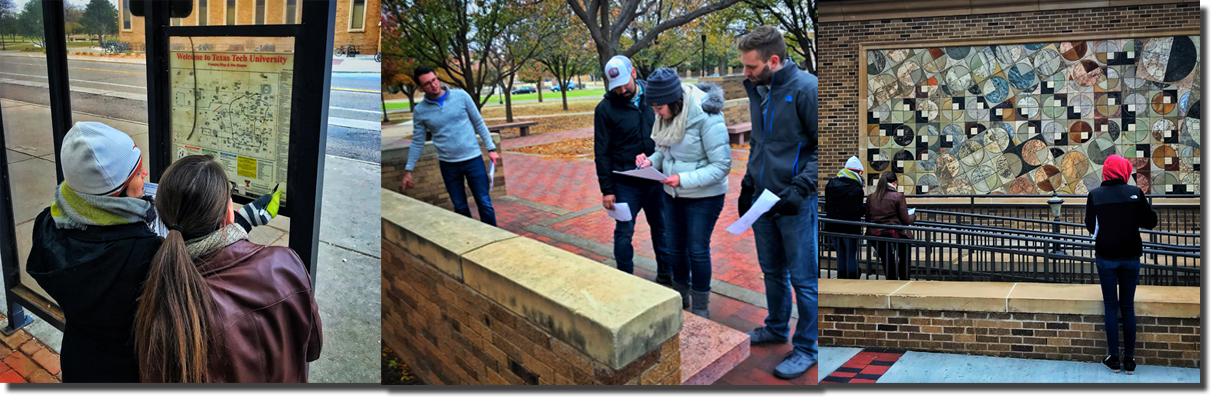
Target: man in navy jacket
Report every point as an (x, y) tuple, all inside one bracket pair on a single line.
[(784, 160)]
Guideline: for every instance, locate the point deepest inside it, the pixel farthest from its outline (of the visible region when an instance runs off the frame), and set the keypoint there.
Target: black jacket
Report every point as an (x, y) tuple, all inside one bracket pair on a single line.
[(843, 199), (1114, 212), (96, 276), (785, 134), (622, 132)]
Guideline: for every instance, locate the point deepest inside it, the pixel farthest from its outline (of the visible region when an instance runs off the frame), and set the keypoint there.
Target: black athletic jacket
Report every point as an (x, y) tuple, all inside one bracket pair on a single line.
[(622, 132), (1114, 212), (785, 133), (843, 198)]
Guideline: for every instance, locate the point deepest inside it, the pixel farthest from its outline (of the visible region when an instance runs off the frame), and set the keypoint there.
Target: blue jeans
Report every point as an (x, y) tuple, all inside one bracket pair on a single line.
[(786, 250), (641, 198), (1121, 273), (474, 171), (847, 257), (690, 222)]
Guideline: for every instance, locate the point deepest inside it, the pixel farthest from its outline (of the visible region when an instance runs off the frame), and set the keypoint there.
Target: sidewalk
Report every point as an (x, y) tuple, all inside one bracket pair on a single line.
[(348, 276), (873, 365)]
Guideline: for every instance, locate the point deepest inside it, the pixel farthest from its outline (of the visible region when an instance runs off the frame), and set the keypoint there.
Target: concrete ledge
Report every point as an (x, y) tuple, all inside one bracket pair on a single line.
[(709, 350), (613, 317), (1077, 299), (436, 236), (610, 316)]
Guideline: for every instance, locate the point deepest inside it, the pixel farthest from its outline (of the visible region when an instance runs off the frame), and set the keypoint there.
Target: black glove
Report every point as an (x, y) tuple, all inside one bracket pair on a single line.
[(745, 198), (792, 201)]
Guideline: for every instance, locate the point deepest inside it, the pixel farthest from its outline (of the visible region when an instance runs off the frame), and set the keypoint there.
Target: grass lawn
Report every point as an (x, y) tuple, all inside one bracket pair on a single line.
[(30, 45), (494, 100)]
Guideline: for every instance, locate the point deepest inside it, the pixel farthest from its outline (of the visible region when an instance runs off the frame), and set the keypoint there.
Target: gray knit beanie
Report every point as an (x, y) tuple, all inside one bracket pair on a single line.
[(663, 87)]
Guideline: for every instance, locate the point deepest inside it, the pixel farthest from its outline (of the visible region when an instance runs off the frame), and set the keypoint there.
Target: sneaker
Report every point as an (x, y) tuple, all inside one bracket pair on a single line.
[(794, 365), (1113, 363), (1130, 365), (762, 335)]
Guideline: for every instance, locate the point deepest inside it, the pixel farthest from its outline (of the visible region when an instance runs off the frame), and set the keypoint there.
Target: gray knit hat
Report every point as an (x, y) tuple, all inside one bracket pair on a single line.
[(98, 159), (663, 87)]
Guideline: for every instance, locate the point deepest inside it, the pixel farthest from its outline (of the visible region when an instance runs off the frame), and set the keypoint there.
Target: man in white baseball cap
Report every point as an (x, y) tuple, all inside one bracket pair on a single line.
[(623, 125), (91, 251)]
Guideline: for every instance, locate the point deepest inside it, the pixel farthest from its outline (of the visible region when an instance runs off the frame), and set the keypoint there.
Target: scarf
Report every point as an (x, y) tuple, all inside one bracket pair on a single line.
[(72, 210), (849, 173), (210, 243), (667, 132)]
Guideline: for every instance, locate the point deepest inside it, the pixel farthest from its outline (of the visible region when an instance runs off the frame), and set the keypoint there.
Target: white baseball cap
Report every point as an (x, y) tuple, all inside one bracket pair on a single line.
[(618, 70)]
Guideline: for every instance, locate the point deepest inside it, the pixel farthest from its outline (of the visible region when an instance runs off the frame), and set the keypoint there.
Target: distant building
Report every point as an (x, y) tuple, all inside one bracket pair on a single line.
[(357, 22)]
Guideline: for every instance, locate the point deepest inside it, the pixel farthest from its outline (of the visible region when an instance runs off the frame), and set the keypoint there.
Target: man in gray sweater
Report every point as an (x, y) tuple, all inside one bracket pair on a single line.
[(453, 120)]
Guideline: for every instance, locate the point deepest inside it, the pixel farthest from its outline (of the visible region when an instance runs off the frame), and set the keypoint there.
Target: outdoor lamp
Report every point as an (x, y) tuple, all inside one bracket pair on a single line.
[(1054, 204)]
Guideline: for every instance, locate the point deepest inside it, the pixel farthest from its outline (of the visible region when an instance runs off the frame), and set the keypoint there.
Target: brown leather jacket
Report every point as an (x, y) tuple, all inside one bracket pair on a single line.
[(891, 210), (265, 316)]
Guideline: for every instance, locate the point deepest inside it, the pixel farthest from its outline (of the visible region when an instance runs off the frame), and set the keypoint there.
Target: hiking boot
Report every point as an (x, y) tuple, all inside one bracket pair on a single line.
[(1130, 365), (762, 335), (683, 289), (794, 365), (664, 280), (1113, 363), (701, 304)]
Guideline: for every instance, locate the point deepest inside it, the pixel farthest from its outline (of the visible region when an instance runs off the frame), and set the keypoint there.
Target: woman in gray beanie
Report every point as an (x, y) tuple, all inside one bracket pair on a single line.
[(691, 148)]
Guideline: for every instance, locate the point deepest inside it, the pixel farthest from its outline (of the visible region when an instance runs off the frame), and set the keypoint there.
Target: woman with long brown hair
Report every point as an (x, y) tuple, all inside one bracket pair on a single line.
[(886, 205), (217, 308)]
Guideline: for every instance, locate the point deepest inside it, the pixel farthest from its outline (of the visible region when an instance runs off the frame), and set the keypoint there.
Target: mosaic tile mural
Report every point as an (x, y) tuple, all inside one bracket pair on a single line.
[(1037, 117)]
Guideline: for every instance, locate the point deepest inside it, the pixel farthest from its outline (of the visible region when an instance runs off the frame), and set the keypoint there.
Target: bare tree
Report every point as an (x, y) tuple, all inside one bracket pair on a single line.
[(796, 17), (606, 30)]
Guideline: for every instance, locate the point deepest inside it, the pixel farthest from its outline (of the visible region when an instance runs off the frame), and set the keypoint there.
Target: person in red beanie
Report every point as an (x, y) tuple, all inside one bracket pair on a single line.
[(1114, 212)]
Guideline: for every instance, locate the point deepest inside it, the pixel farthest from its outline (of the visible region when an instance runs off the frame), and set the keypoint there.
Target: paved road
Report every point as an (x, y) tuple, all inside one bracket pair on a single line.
[(354, 98)]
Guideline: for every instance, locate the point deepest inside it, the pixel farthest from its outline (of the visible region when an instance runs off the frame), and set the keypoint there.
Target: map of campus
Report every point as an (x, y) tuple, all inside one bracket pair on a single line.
[(236, 107)]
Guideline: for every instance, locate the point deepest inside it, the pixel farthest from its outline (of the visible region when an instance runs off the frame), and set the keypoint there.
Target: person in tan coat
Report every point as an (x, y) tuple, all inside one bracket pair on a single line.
[(887, 206)]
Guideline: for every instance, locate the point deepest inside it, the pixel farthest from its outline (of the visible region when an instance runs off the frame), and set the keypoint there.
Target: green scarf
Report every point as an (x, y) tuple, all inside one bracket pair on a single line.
[(72, 210), (850, 174)]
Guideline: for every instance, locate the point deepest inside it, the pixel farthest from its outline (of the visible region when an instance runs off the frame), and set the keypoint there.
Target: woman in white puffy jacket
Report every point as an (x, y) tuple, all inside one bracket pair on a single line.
[(691, 148)]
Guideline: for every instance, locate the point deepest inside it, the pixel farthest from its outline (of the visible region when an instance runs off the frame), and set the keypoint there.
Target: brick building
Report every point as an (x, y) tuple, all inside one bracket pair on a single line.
[(357, 21), (1013, 96)]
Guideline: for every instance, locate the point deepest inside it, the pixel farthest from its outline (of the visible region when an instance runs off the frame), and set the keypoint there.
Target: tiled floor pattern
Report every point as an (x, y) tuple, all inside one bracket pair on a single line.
[(865, 367), (24, 359)]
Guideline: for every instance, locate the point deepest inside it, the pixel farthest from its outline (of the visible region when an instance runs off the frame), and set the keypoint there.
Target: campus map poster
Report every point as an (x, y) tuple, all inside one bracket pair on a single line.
[(235, 106)]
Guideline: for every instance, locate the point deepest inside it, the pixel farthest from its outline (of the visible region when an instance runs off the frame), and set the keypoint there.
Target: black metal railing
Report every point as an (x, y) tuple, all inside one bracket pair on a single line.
[(961, 250)]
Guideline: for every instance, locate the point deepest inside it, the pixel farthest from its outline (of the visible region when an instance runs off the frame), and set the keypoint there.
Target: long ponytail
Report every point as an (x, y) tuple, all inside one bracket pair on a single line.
[(172, 324)]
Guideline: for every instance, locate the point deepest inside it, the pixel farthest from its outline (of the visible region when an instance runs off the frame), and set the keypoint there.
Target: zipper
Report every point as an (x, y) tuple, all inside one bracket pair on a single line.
[(764, 133), (794, 171)]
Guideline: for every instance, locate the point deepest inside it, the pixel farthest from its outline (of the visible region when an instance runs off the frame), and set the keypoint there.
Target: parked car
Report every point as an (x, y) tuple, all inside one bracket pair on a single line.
[(569, 87), (524, 90)]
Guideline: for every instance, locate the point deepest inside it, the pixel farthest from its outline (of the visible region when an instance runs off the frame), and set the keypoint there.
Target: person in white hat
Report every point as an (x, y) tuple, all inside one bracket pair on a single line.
[(843, 198), (623, 125), (91, 251)]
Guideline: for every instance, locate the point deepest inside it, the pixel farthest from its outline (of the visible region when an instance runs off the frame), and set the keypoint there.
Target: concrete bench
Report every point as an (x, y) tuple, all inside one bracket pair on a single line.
[(523, 126), (740, 132)]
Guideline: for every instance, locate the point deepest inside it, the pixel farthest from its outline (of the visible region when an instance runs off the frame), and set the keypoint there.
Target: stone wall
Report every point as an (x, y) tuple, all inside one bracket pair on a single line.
[(464, 303), (847, 27), (1021, 320), (736, 110), (428, 183)]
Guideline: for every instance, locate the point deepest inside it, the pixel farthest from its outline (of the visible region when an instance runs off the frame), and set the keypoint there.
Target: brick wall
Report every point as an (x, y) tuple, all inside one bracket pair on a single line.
[(1160, 341), (367, 39), (839, 45), (454, 336), (428, 183)]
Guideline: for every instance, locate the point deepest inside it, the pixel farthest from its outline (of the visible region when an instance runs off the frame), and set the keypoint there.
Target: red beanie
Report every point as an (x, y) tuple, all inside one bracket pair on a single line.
[(1116, 167)]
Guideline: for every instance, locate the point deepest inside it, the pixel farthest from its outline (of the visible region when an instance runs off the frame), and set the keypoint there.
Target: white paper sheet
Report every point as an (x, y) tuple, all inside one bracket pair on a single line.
[(644, 173), (912, 211), (761, 206), (492, 175), (620, 212)]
